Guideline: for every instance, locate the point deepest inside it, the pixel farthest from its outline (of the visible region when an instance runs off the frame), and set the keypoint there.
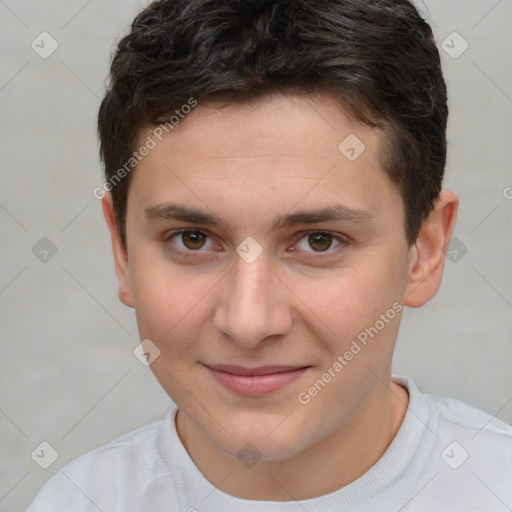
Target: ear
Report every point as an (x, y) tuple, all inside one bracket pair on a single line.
[(120, 252), (427, 256)]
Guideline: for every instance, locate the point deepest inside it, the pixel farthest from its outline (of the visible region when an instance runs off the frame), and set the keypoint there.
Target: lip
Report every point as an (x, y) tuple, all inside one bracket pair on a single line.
[(254, 382)]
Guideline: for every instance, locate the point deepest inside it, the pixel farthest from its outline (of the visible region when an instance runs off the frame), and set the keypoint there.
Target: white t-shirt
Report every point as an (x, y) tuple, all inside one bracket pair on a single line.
[(447, 456)]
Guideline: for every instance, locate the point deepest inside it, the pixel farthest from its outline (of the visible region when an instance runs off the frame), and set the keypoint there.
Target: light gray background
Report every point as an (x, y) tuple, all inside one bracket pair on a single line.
[(68, 374)]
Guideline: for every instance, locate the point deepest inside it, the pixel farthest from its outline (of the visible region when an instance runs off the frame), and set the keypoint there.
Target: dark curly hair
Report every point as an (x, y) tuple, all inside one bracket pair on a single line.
[(377, 57)]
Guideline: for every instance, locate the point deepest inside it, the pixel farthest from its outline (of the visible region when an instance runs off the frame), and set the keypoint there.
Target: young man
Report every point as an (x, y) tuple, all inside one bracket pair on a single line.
[(273, 193)]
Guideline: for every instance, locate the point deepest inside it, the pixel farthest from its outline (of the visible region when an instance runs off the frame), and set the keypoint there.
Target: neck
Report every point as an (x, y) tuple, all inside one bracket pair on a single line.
[(313, 472)]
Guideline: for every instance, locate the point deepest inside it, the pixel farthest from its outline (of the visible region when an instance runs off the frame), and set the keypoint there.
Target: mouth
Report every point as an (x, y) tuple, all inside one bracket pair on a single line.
[(254, 382)]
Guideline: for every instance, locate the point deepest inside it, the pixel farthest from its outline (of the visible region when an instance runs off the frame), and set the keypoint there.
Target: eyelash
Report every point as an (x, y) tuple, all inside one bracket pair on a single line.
[(342, 241)]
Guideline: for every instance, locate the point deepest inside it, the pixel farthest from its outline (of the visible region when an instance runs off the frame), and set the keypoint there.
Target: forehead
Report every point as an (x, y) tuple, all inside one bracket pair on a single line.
[(277, 151), (301, 126)]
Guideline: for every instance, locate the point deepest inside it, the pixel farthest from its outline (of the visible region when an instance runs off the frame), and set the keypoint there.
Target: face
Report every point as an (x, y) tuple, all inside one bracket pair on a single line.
[(258, 250)]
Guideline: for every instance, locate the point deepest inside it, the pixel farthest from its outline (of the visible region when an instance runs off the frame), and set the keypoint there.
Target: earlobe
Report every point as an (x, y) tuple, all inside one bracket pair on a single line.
[(119, 252), (427, 256)]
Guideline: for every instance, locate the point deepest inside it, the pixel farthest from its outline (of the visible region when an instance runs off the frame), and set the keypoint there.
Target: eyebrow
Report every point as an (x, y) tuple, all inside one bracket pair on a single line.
[(337, 212)]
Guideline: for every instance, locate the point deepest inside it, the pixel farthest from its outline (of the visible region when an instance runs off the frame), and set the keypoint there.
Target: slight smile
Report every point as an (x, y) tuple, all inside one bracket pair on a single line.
[(254, 382)]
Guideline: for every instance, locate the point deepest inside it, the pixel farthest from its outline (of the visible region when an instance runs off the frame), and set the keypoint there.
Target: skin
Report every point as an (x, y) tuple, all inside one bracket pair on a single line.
[(299, 303)]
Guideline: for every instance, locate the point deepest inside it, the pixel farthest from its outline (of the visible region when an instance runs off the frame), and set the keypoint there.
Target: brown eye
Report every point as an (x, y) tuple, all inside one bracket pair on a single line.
[(191, 243), (193, 239), (320, 241)]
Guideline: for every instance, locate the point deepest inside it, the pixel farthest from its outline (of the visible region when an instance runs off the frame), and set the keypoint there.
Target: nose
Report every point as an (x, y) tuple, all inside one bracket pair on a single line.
[(253, 303)]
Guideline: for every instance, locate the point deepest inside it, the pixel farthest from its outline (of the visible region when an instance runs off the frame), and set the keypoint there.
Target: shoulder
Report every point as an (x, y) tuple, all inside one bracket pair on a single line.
[(454, 415), (134, 450), (475, 438), (96, 479), (472, 434), (458, 416), (469, 451)]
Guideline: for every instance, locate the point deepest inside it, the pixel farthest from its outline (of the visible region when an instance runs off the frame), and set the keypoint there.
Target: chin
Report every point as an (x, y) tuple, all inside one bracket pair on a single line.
[(262, 440)]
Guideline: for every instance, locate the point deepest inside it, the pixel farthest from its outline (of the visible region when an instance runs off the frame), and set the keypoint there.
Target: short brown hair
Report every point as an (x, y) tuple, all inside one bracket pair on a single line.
[(378, 57)]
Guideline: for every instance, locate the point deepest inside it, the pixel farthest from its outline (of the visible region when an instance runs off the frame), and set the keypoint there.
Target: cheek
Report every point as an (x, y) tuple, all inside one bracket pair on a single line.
[(350, 297), (168, 300), (363, 309), (171, 311), (360, 303)]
